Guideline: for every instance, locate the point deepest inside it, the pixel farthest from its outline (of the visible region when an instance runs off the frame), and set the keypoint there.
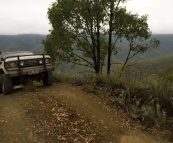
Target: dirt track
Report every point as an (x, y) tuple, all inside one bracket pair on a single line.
[(63, 113)]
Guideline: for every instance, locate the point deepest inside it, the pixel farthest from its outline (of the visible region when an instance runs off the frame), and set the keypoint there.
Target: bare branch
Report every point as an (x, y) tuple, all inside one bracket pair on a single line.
[(113, 47), (118, 4), (133, 55), (85, 49), (82, 64), (84, 59)]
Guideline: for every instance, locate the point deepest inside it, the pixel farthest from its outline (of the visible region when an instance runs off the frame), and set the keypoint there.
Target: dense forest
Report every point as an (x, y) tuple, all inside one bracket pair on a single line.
[(33, 42), (165, 48), (22, 42)]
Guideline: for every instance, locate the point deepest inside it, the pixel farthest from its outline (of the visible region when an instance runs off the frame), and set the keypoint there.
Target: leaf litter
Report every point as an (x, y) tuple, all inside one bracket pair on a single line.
[(56, 121)]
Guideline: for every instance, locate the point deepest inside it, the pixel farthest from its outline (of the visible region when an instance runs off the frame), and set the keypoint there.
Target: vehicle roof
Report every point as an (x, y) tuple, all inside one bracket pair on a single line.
[(16, 52)]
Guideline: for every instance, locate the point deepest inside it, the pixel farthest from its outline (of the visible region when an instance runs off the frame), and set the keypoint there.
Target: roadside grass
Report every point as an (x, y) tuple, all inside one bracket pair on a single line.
[(148, 99), (61, 77)]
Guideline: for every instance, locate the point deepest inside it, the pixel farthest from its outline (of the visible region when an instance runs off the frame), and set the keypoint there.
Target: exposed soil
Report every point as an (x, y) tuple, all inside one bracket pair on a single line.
[(64, 113)]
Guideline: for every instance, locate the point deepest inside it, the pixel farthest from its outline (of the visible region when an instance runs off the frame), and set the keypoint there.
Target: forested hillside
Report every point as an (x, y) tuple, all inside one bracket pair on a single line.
[(152, 66), (165, 48), (29, 42), (32, 42)]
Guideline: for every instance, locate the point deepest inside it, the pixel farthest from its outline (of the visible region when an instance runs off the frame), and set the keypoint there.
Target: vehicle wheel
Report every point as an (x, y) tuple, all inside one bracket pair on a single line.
[(48, 78), (7, 85)]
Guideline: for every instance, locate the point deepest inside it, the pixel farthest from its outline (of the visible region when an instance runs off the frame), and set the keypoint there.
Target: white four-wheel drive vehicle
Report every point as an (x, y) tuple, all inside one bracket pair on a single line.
[(17, 67)]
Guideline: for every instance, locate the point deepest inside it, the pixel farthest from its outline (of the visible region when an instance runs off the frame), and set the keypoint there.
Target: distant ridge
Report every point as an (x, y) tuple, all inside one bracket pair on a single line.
[(152, 66), (165, 49), (29, 42), (32, 42)]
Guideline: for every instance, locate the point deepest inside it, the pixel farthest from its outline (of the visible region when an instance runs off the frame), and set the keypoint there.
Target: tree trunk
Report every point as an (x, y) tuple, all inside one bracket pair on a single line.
[(127, 58), (98, 47), (97, 69), (110, 39)]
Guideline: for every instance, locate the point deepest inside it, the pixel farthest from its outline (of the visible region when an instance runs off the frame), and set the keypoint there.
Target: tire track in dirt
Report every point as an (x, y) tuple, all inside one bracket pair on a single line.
[(15, 126), (92, 107)]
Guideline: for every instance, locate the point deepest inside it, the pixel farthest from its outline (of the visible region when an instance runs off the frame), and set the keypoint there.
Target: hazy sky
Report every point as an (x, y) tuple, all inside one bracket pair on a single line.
[(30, 16)]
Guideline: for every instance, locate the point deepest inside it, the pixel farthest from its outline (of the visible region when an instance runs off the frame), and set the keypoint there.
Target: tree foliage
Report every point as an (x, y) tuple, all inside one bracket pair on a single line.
[(85, 32)]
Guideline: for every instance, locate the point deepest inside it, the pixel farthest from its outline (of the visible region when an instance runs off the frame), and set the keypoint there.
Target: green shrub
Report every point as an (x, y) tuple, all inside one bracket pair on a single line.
[(139, 96), (61, 77)]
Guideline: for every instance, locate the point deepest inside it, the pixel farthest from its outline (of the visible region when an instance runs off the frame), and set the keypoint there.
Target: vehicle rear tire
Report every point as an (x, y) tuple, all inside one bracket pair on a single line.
[(7, 85), (48, 78)]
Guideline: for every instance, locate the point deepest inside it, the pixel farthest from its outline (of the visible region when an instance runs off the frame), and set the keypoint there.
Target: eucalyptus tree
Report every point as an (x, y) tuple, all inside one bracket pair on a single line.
[(85, 32), (76, 28), (80, 30), (135, 30)]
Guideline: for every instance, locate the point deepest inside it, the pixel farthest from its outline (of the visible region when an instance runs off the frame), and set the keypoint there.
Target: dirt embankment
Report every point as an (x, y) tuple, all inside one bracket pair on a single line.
[(64, 113)]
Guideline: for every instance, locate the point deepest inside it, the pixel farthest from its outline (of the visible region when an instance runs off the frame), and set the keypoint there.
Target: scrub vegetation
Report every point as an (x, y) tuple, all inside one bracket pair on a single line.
[(146, 99)]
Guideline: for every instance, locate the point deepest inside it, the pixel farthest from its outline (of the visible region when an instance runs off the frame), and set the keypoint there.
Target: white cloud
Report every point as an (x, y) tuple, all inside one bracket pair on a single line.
[(160, 13), (30, 16), (24, 16)]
